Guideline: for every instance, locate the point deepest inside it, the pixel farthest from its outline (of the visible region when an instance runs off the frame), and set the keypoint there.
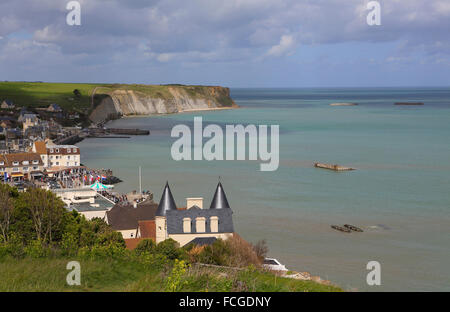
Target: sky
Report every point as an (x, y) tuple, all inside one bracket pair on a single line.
[(234, 43)]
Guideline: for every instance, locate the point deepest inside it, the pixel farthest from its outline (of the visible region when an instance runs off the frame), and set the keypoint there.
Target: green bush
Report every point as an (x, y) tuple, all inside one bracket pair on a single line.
[(171, 250), (14, 246), (36, 249), (68, 245), (145, 246)]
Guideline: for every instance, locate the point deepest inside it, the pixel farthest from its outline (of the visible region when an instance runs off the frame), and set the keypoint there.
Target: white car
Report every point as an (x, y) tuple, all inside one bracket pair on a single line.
[(274, 265)]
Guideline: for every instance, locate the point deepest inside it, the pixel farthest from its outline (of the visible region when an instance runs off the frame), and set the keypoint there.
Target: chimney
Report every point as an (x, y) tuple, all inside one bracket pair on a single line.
[(194, 201)]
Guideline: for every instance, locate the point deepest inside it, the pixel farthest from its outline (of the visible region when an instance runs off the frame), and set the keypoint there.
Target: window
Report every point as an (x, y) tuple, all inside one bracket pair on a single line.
[(2, 163), (25, 169), (51, 150), (35, 168), (214, 224), (187, 225), (57, 163), (35, 162), (75, 163), (68, 157), (74, 150), (57, 150), (200, 224), (15, 169), (25, 162), (15, 163), (67, 163)]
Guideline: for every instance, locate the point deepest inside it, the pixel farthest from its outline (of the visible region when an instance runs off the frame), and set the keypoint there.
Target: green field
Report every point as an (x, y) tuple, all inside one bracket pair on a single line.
[(42, 94), (36, 94), (118, 275)]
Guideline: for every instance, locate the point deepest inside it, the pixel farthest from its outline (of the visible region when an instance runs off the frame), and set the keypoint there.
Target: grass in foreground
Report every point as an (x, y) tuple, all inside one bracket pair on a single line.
[(49, 274)]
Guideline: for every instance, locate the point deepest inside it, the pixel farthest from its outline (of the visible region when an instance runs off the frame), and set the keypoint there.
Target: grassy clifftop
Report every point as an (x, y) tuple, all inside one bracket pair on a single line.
[(42, 94)]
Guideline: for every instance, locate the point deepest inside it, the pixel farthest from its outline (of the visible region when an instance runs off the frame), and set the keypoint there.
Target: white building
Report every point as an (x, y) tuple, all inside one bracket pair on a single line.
[(57, 157)]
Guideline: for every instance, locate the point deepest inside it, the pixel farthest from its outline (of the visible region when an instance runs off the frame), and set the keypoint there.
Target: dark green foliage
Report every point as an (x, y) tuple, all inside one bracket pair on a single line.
[(145, 246), (39, 225), (170, 249)]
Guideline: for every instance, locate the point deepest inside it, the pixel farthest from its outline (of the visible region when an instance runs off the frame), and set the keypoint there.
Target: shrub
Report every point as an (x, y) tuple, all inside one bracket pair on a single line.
[(261, 249), (176, 279), (234, 252), (36, 249), (145, 246), (14, 246), (170, 249), (69, 244)]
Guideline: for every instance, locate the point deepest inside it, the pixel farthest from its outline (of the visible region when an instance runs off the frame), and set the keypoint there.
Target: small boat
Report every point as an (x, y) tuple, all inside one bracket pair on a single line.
[(353, 228), (340, 228)]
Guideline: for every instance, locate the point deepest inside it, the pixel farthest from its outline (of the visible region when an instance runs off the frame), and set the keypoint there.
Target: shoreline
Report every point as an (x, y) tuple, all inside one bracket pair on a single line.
[(181, 112)]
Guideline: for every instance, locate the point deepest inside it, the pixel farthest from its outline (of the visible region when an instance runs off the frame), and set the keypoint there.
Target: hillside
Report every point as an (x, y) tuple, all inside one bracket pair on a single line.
[(105, 101), (49, 274)]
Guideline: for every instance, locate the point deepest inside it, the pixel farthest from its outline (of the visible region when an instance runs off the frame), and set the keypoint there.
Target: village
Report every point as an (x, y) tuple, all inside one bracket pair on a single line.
[(38, 152)]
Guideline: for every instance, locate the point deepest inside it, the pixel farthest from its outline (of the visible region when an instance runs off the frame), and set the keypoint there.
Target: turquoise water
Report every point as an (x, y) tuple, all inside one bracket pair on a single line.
[(400, 193)]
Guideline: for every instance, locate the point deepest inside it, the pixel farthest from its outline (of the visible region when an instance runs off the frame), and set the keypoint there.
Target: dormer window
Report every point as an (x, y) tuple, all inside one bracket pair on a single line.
[(51, 150), (25, 162), (187, 225), (15, 163), (214, 224), (200, 224), (35, 162), (2, 163), (57, 150)]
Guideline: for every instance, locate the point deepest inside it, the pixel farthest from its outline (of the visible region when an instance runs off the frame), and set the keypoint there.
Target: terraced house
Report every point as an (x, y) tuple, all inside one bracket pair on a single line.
[(21, 166)]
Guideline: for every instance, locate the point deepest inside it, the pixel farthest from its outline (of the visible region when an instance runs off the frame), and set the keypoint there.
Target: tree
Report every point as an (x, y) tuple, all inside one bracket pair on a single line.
[(6, 208), (77, 93), (261, 249), (46, 211)]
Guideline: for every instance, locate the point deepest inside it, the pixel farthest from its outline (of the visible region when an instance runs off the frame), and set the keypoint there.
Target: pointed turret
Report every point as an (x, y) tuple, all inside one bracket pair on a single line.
[(220, 199), (166, 203)]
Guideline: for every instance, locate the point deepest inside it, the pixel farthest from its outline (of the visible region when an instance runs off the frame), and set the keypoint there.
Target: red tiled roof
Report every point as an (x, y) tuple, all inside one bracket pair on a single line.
[(132, 243), (147, 229), (40, 147)]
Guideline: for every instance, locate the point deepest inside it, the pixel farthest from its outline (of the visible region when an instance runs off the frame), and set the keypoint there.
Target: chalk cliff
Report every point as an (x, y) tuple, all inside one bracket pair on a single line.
[(126, 100)]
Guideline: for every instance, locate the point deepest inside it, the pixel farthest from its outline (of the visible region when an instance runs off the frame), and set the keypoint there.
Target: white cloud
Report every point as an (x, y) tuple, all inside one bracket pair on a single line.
[(285, 47)]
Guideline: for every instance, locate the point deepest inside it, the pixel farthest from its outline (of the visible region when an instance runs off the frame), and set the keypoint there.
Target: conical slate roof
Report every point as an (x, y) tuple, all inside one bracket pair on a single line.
[(220, 199), (166, 203)]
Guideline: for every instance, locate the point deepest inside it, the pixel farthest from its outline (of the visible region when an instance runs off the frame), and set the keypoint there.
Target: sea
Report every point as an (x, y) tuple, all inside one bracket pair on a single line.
[(399, 193)]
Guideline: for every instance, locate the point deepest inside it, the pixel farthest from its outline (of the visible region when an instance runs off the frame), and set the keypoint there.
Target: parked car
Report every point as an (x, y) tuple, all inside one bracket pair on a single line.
[(274, 265)]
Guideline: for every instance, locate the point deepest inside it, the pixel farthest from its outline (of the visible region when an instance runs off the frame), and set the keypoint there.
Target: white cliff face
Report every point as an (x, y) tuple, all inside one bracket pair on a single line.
[(130, 102)]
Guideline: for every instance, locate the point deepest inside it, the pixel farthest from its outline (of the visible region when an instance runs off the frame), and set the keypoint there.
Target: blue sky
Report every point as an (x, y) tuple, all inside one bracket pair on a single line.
[(235, 43)]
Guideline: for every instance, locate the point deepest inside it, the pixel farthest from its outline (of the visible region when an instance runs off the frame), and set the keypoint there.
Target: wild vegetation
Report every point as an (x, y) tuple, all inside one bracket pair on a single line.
[(38, 237)]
